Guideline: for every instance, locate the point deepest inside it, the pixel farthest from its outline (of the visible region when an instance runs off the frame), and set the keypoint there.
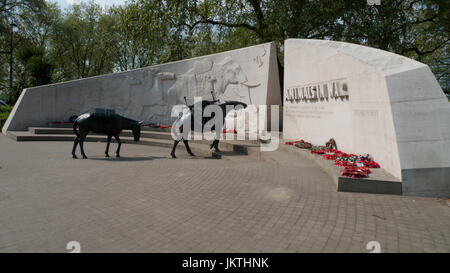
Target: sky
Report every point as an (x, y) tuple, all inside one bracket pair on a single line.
[(105, 3)]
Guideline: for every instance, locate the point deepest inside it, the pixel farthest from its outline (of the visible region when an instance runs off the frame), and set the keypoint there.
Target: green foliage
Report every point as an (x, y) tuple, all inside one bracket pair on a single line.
[(86, 40), (32, 68), (5, 109), (4, 113), (416, 29), (144, 35), (83, 42)]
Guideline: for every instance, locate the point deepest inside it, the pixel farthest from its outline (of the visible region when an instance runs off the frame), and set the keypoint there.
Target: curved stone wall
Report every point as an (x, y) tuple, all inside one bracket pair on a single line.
[(370, 101), (148, 94)]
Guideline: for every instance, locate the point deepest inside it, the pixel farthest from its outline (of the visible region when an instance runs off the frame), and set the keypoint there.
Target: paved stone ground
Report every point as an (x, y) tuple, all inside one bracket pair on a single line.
[(146, 202)]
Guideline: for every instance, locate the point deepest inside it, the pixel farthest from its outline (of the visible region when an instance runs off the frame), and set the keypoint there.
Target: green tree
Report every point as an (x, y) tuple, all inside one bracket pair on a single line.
[(148, 35), (416, 29), (84, 43), (87, 40), (35, 67), (13, 11)]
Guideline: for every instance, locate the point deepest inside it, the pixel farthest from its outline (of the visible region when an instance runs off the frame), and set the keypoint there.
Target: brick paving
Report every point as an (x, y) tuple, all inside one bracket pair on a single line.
[(147, 202)]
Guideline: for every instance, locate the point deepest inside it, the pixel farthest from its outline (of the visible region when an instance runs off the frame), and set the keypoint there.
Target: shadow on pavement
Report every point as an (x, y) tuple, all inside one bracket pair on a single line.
[(193, 157), (230, 153), (113, 158)]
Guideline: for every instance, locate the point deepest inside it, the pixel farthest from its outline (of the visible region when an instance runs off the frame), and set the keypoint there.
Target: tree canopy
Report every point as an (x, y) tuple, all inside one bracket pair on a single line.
[(52, 45)]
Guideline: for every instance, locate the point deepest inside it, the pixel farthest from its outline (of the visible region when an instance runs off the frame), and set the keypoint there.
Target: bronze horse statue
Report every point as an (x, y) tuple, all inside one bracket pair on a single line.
[(110, 125)]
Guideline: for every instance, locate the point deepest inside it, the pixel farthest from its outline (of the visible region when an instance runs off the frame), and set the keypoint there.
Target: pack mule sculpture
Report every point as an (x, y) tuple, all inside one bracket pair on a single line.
[(191, 115), (110, 125)]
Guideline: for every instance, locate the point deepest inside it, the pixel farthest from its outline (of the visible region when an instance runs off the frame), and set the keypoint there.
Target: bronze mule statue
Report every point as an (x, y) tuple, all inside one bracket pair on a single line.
[(190, 115), (107, 124)]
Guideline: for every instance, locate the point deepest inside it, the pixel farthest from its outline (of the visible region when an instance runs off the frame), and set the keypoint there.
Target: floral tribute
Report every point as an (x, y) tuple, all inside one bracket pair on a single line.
[(355, 166), (319, 150), (158, 126), (233, 131), (355, 172), (293, 142)]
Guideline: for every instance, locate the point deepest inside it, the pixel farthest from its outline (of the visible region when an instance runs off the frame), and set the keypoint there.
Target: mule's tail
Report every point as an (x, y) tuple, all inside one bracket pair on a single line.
[(75, 125)]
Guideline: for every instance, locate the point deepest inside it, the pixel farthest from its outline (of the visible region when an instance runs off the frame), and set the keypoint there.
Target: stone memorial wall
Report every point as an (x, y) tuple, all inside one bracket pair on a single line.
[(249, 75), (370, 101)]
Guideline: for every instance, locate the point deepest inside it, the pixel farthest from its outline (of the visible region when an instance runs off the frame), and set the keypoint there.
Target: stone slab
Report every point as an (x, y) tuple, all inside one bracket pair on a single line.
[(369, 101), (346, 184), (249, 75), (151, 137), (379, 181)]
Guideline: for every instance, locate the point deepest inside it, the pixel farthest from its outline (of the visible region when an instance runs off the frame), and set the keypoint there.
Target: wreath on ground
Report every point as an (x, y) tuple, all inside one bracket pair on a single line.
[(355, 166)]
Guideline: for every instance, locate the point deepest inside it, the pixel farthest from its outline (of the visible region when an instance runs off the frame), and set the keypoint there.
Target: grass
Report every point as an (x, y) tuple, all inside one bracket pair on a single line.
[(4, 113)]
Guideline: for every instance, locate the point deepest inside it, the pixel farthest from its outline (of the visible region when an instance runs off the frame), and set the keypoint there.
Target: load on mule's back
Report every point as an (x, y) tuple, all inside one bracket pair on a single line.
[(103, 121)]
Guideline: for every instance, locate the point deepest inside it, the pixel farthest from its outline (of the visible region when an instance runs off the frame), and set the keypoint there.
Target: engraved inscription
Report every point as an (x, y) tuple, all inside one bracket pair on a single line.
[(315, 112), (317, 91), (365, 112)]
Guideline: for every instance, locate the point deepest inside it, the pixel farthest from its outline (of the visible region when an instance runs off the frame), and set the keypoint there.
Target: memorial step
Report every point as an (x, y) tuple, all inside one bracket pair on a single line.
[(379, 180), (69, 131), (198, 149), (70, 125), (161, 139), (158, 133)]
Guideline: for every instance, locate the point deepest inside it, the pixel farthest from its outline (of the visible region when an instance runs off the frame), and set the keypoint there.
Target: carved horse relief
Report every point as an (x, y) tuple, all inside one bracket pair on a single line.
[(206, 76), (104, 97), (147, 101), (190, 83), (157, 109), (149, 94)]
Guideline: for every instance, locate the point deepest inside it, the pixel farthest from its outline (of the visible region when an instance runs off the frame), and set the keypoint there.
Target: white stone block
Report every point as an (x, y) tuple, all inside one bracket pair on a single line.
[(395, 109), (150, 93)]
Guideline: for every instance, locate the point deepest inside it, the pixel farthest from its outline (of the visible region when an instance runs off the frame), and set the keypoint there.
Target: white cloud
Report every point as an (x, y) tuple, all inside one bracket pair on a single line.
[(105, 3), (73, 2)]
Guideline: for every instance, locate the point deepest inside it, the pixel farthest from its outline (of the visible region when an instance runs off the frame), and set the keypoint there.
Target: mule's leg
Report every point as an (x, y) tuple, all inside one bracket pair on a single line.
[(187, 147), (118, 147), (215, 145), (75, 143), (107, 146), (82, 138), (175, 143)]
